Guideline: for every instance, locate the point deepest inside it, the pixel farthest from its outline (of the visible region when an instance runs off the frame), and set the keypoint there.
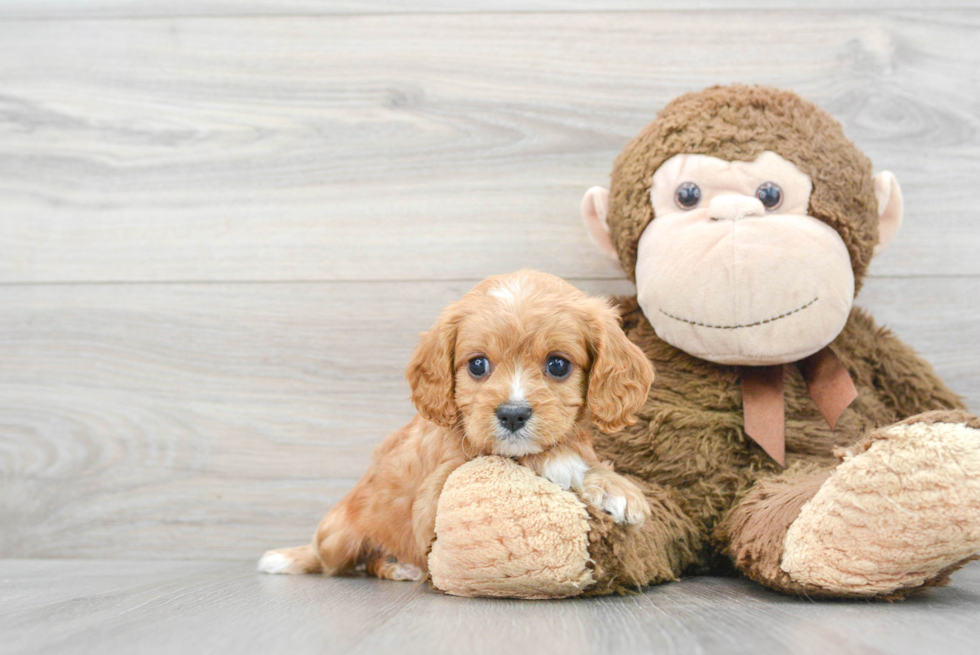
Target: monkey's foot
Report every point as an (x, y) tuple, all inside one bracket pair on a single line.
[(901, 510)]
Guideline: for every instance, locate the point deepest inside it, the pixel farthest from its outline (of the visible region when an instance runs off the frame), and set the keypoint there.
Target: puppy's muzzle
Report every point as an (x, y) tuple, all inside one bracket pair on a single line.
[(513, 416)]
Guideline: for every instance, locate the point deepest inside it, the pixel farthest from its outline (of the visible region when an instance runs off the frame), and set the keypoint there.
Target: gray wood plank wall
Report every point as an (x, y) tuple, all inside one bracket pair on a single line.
[(60, 9), (222, 225)]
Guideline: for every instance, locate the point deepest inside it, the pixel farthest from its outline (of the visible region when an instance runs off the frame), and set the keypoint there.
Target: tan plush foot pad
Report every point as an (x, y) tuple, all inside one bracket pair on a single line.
[(503, 531), (899, 509)]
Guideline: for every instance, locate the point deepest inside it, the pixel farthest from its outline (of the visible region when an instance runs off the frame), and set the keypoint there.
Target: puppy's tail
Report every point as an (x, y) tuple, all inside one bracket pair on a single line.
[(291, 561)]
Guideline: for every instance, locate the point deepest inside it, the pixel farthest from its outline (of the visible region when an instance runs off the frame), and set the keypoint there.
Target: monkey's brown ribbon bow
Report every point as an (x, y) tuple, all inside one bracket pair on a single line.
[(763, 404)]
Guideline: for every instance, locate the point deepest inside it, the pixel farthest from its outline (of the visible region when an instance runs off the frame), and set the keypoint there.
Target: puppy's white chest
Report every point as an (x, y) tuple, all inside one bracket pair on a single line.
[(567, 470)]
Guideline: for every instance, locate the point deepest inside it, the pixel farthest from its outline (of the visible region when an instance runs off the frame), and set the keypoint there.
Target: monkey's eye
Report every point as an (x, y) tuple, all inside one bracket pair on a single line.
[(688, 195), (770, 195), (558, 367), (478, 367)]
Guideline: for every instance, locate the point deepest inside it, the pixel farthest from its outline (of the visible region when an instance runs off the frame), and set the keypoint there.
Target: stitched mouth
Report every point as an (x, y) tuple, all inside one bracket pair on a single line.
[(746, 325)]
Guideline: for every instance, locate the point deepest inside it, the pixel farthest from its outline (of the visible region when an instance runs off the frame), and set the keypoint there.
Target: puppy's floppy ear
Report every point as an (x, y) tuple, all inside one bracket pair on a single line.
[(431, 373), (621, 373)]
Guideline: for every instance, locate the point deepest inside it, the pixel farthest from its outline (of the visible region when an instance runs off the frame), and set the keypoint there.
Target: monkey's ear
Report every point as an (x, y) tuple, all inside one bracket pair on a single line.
[(595, 209), (431, 373), (889, 197)]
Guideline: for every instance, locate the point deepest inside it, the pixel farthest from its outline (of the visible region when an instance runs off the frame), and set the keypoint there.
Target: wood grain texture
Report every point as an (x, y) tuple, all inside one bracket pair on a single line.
[(220, 235), (195, 420), (217, 420), (89, 9), (424, 146), (68, 607)]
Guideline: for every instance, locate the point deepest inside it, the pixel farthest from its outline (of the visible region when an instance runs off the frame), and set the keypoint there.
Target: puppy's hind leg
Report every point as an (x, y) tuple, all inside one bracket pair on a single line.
[(338, 544), (301, 559), (336, 547), (389, 568)]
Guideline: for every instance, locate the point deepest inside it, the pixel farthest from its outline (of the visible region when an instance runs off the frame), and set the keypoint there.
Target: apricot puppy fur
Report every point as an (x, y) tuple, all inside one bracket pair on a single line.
[(516, 368)]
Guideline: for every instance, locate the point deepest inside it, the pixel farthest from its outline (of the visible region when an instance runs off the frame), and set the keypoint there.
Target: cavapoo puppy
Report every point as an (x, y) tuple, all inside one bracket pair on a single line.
[(515, 368)]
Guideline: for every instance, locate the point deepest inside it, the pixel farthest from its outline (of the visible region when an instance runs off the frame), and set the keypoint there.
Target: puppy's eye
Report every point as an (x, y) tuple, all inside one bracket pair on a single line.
[(770, 195), (688, 195), (558, 367), (478, 366)]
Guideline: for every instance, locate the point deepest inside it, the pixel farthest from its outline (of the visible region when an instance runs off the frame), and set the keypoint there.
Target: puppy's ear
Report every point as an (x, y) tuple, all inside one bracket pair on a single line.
[(621, 374), (431, 373)]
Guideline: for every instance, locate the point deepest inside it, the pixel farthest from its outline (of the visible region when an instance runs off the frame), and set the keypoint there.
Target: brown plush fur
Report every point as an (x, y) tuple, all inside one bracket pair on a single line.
[(690, 442), (752, 533), (713, 491)]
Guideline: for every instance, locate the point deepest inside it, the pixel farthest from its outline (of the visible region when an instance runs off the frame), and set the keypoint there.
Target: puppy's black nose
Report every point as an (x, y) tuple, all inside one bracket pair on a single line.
[(513, 416)]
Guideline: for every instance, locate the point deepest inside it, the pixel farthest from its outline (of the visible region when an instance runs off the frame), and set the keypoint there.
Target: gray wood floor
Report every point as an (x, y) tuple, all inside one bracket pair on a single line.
[(64, 607), (224, 222)]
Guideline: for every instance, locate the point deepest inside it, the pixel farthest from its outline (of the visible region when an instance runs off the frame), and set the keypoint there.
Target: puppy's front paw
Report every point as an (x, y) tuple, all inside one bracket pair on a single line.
[(616, 496), (389, 568), (403, 571)]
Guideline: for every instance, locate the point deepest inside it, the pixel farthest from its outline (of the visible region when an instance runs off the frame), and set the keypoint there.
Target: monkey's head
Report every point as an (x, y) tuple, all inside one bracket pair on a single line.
[(747, 220)]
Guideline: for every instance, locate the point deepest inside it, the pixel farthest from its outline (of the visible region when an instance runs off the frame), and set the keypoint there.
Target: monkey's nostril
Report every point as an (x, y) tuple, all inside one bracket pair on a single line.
[(513, 416)]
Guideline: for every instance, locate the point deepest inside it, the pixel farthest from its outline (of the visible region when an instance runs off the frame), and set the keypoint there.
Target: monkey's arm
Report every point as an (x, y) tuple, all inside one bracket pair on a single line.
[(904, 380)]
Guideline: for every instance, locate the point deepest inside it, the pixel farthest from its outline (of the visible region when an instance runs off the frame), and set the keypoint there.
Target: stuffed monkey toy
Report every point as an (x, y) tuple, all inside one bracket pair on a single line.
[(786, 434)]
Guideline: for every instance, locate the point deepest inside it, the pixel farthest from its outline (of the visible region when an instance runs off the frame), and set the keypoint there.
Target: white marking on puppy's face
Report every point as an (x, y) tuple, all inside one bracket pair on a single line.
[(517, 387), (521, 442), (567, 470), (503, 293), (509, 291)]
